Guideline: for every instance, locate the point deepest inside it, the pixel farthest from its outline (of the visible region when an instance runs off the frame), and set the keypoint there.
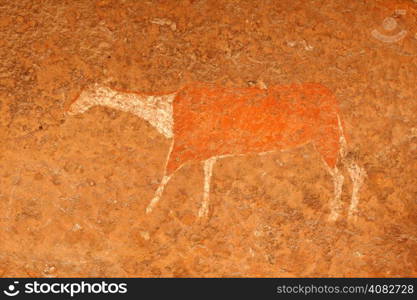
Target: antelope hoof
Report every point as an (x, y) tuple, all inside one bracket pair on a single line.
[(333, 216), (148, 209), (203, 213)]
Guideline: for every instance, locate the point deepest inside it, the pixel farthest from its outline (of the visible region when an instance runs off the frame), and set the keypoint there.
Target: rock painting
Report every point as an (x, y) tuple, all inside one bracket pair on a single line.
[(207, 123)]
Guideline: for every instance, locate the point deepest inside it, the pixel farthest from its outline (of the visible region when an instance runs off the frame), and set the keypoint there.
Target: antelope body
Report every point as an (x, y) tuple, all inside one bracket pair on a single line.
[(208, 122)]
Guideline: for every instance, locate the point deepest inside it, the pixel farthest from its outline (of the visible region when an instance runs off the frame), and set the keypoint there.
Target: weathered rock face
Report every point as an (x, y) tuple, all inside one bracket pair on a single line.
[(74, 189)]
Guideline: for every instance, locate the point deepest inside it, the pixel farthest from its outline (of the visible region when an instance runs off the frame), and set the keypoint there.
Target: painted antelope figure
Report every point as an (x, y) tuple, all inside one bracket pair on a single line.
[(207, 123)]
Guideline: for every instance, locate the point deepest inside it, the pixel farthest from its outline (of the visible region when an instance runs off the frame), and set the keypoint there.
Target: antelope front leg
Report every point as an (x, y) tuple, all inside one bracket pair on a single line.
[(208, 171), (158, 194), (162, 184)]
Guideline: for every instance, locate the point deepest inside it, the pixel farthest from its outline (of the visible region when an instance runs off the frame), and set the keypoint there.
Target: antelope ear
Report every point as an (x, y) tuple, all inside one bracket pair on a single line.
[(72, 111), (261, 84), (79, 105)]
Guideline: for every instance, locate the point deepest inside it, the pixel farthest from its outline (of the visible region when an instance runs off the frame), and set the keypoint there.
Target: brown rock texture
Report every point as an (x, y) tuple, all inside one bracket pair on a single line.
[(73, 189)]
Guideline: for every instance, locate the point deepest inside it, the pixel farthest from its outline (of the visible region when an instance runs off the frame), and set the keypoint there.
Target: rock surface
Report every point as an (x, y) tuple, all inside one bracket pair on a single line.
[(73, 189)]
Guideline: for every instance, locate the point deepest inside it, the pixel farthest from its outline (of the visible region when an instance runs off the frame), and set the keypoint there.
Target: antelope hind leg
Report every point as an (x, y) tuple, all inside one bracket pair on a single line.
[(208, 171), (335, 204), (357, 175)]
